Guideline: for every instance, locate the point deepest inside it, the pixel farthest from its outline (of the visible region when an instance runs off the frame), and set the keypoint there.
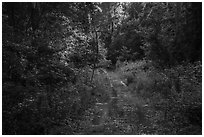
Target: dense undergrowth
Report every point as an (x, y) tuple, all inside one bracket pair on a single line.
[(41, 112), (154, 101), (174, 95)]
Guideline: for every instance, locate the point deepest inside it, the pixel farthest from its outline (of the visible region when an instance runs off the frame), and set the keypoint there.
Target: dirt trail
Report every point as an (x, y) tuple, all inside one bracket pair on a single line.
[(121, 101), (121, 114), (104, 108)]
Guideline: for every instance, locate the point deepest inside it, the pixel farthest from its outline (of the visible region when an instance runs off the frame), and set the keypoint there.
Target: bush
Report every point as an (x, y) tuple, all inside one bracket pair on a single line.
[(174, 92)]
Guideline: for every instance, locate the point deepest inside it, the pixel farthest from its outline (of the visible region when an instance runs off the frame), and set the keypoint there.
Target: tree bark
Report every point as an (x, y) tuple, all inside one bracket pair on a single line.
[(97, 52)]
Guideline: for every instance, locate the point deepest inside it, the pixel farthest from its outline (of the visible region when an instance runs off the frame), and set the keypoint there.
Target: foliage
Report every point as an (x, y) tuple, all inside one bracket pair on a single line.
[(54, 57), (175, 93), (157, 31)]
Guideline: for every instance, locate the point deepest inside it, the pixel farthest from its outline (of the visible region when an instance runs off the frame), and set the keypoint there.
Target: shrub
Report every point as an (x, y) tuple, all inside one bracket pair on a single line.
[(173, 92)]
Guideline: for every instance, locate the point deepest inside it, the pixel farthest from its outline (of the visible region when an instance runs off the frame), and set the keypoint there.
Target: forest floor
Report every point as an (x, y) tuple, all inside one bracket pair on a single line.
[(123, 113), (127, 111)]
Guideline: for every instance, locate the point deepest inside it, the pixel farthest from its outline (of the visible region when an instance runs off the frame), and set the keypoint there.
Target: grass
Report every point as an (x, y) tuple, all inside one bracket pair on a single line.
[(171, 94), (150, 102)]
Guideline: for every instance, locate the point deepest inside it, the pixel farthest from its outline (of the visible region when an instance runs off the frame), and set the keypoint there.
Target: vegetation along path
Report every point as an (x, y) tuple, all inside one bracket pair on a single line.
[(135, 106), (114, 68), (118, 110)]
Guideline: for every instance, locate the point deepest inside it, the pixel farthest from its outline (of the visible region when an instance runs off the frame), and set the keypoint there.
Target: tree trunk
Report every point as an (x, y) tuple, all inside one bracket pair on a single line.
[(97, 52)]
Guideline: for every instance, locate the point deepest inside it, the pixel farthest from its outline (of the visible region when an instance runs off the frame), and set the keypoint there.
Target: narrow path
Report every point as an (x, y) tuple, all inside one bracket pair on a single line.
[(121, 107), (121, 114), (104, 109)]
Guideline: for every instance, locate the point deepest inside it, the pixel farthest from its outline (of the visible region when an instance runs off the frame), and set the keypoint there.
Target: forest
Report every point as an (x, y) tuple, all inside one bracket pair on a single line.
[(101, 68)]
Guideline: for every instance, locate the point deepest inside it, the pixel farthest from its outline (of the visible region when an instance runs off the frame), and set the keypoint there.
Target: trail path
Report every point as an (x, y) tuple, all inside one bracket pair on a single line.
[(123, 113), (119, 110)]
